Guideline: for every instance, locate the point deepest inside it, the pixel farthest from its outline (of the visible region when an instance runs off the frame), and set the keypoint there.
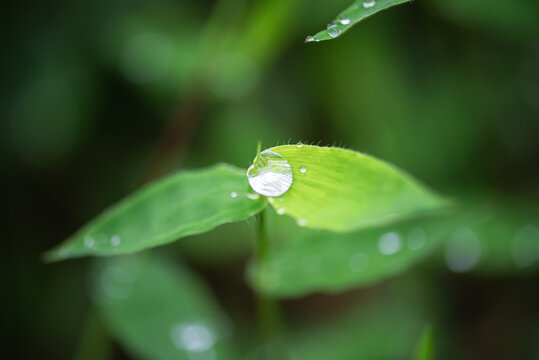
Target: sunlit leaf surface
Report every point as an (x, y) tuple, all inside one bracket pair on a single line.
[(305, 261), (186, 203), (158, 310), (338, 189), (353, 14)]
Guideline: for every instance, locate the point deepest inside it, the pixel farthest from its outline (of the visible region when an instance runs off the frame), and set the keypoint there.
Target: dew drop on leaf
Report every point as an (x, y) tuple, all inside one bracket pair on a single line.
[(334, 31), (389, 243), (281, 211), (115, 240), (309, 39), (368, 4), (358, 262), (89, 242), (233, 194), (345, 20), (416, 239), (270, 174), (303, 169)]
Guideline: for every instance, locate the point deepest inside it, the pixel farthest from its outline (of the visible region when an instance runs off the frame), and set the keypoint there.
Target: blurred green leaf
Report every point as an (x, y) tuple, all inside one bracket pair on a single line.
[(353, 14), (377, 328), (494, 236), (338, 189), (159, 310), (186, 203), (307, 261), (425, 345)]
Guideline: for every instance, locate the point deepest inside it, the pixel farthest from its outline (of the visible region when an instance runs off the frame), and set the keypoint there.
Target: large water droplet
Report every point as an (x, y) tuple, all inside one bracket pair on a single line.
[(192, 337), (345, 20), (462, 251), (270, 174), (369, 4), (334, 31), (358, 262), (389, 243)]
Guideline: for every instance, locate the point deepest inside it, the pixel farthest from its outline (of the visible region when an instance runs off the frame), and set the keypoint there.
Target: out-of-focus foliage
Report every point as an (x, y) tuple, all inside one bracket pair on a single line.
[(98, 97), (157, 310)]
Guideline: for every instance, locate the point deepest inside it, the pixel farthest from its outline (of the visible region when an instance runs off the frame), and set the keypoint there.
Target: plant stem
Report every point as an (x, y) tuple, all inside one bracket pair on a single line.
[(268, 309)]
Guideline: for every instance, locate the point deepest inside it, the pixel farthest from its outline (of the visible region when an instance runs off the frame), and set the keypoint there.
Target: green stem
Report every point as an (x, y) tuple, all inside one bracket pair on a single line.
[(268, 309)]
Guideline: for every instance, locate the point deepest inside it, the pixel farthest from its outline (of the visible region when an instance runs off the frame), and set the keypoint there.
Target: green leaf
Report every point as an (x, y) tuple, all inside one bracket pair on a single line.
[(381, 324), (353, 14), (307, 261), (186, 203), (494, 236), (159, 310), (425, 345), (338, 189)]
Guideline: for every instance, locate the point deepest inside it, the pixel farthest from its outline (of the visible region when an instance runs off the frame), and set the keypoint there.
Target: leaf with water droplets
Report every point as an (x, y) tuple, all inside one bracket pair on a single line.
[(356, 12), (186, 203), (307, 261), (159, 310), (338, 189)]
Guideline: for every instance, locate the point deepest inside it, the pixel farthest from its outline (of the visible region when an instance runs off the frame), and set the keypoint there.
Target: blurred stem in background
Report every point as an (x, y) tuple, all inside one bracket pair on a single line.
[(94, 343), (268, 309), (257, 34)]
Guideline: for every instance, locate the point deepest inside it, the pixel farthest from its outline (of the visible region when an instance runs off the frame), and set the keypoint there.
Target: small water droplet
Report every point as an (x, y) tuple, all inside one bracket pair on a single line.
[(302, 222), (270, 174), (271, 200), (192, 337), (345, 20), (299, 145), (462, 251), (89, 242), (115, 240), (233, 194), (281, 211), (416, 239), (309, 38), (253, 196), (316, 38), (334, 31), (281, 199), (369, 4), (358, 262), (303, 169), (389, 243)]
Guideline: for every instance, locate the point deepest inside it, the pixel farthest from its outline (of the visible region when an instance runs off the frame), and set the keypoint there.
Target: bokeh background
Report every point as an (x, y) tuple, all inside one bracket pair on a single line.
[(100, 97)]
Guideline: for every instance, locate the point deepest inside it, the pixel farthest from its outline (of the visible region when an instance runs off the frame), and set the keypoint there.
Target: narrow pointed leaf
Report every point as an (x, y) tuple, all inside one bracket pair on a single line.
[(159, 310), (186, 203), (356, 12), (338, 189)]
